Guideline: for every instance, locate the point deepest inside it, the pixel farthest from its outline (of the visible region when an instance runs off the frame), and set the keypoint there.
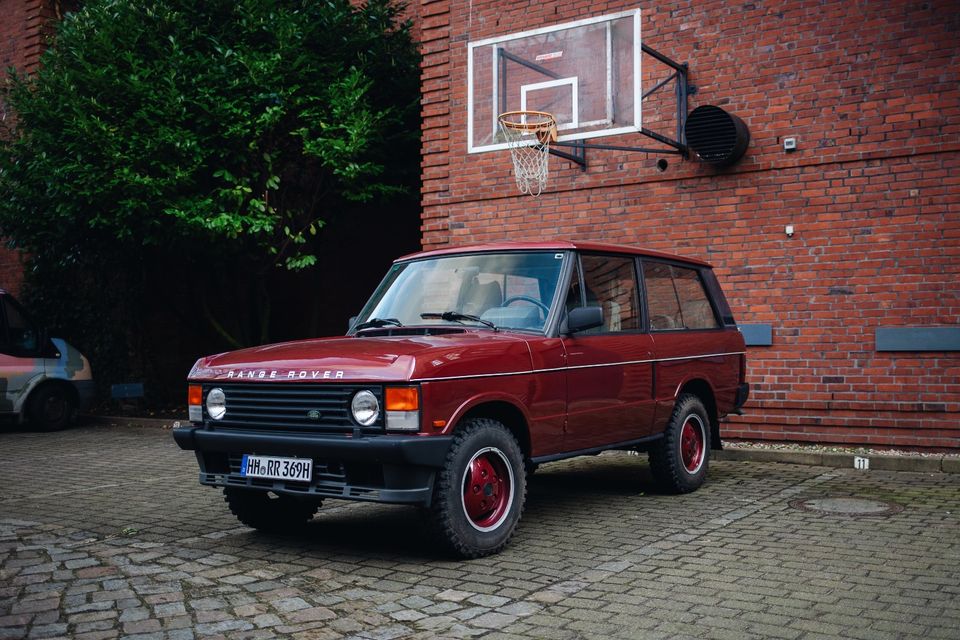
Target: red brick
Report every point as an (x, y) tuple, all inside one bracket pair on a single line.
[(873, 193)]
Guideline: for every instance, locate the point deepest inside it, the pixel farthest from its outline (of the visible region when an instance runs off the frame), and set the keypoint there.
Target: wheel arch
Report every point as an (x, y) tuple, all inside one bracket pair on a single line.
[(36, 384), (505, 412), (702, 389)]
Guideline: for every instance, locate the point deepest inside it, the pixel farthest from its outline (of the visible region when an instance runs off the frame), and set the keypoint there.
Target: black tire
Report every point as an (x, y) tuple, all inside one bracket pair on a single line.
[(680, 459), (268, 512), (51, 407), (479, 494)]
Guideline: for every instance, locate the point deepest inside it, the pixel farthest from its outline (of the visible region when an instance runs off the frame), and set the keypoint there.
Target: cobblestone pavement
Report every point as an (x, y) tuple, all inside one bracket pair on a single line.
[(104, 533)]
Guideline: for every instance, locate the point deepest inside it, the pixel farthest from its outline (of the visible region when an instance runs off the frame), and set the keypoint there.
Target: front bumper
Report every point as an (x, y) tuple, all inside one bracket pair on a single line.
[(387, 468)]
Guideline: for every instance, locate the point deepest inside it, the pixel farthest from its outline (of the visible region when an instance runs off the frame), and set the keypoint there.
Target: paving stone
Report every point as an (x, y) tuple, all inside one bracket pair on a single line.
[(223, 626), (284, 605), (86, 627), (310, 615), (591, 559), (267, 620), (132, 615), (169, 609), (488, 600), (47, 630), (407, 615), (34, 606), (520, 608), (453, 595)]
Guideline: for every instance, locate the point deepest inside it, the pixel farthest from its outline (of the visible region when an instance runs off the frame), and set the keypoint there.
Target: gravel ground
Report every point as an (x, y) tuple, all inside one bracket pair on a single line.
[(818, 448)]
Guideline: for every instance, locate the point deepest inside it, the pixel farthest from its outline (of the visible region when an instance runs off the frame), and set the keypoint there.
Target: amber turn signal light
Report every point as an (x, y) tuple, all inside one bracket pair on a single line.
[(194, 394), (402, 398)]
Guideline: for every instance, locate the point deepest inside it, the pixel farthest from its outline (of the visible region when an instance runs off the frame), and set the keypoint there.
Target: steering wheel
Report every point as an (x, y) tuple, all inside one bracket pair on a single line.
[(512, 299)]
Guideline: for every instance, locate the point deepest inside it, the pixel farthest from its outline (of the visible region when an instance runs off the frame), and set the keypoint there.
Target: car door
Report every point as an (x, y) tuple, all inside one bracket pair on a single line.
[(687, 334), (18, 351), (609, 369)]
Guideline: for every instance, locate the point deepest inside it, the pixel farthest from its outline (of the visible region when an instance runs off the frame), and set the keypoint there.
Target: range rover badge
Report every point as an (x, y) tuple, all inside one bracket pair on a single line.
[(313, 414)]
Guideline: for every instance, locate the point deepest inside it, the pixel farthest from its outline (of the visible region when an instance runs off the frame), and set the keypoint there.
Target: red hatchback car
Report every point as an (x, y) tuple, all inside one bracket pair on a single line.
[(466, 369)]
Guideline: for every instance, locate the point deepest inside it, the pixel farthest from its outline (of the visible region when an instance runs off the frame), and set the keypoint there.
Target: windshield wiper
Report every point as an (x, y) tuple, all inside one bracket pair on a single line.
[(378, 322), (456, 316)]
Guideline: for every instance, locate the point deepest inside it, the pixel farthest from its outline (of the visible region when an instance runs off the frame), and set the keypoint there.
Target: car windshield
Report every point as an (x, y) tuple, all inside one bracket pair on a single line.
[(486, 290)]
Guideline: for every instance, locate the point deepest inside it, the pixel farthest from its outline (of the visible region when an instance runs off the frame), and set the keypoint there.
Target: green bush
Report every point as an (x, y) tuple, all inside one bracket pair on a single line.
[(164, 133)]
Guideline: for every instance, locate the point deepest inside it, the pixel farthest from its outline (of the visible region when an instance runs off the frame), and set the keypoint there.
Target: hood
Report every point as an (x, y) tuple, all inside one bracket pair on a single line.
[(371, 359)]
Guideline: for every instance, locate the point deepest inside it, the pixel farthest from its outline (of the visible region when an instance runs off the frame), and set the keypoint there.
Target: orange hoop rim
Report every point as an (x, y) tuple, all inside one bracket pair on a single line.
[(514, 120)]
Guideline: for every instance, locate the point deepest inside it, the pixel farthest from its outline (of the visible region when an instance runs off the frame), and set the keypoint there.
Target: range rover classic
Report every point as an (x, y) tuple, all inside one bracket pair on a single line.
[(466, 369)]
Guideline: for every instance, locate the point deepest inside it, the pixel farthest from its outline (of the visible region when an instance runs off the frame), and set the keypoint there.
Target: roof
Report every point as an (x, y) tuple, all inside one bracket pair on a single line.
[(553, 245)]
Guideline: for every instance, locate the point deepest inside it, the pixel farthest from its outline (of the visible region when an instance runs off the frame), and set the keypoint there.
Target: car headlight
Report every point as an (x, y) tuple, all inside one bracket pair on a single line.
[(365, 407), (216, 403)]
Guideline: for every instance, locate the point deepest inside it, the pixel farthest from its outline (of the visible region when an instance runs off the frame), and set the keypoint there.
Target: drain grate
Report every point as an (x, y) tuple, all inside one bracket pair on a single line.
[(848, 506)]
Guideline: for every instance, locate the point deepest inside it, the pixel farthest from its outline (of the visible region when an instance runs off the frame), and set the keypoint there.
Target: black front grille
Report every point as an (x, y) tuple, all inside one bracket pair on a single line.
[(294, 408)]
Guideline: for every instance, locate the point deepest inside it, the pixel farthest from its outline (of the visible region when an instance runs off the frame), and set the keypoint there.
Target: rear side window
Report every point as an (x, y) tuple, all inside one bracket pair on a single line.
[(610, 283), (676, 298)]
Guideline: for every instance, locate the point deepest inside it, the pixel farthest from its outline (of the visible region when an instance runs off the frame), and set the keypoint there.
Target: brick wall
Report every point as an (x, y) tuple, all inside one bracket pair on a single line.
[(871, 92), (25, 26)]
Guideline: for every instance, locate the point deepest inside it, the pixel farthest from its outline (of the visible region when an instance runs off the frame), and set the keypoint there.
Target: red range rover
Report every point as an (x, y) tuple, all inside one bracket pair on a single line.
[(466, 369)]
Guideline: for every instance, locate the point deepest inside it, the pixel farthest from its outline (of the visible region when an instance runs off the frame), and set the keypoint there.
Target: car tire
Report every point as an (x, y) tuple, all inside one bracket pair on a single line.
[(51, 408), (269, 512), (680, 459), (479, 494)]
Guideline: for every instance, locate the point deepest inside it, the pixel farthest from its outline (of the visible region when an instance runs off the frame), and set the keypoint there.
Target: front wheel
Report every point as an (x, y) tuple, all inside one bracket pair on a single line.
[(480, 492), (51, 408), (268, 512), (679, 460)]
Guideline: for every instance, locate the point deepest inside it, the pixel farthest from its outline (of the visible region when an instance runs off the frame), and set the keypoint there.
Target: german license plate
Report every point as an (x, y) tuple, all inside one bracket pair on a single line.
[(297, 469)]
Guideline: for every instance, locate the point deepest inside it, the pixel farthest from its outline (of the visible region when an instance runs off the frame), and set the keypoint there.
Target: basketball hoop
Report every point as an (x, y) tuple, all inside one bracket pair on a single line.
[(528, 134)]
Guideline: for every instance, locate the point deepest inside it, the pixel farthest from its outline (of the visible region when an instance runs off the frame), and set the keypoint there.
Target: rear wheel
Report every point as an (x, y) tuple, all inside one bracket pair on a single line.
[(51, 407), (679, 460), (479, 494), (269, 512)]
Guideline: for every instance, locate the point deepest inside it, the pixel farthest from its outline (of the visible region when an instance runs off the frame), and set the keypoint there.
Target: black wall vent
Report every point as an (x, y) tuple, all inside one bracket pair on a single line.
[(717, 137)]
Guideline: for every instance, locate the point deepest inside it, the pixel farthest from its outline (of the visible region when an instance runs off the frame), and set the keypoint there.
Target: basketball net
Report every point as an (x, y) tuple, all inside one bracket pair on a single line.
[(528, 134)]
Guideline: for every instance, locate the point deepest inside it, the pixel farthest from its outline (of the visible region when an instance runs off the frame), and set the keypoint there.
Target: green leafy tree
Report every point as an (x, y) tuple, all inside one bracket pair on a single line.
[(164, 133)]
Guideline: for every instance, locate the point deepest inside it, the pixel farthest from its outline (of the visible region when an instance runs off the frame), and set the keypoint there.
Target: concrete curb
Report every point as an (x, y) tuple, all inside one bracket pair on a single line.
[(922, 464)]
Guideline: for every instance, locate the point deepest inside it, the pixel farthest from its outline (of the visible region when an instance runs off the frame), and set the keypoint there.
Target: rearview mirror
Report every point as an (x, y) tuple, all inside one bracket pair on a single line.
[(583, 318)]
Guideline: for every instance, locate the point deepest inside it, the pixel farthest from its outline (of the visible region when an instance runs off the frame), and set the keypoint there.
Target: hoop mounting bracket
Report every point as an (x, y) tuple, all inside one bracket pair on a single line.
[(677, 144)]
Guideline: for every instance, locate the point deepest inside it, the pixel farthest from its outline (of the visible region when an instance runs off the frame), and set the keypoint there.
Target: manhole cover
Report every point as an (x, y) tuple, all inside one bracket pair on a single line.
[(848, 506)]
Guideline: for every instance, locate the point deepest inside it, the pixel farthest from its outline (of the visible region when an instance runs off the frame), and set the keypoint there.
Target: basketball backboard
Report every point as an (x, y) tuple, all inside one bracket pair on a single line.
[(586, 73)]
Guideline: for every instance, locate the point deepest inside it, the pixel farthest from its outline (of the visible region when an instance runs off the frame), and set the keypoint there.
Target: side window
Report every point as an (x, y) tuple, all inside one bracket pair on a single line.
[(695, 307), (610, 283), (20, 338), (662, 303), (676, 298)]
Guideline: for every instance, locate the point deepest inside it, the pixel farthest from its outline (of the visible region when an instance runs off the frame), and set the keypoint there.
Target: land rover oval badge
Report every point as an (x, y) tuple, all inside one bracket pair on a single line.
[(313, 414)]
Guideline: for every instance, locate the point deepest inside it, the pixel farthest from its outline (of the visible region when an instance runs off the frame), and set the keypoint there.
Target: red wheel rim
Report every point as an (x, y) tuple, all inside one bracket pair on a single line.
[(487, 489), (692, 444)]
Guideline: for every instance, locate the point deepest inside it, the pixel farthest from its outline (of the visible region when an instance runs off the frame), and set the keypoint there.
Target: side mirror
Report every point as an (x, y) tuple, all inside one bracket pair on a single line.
[(352, 321), (583, 318)]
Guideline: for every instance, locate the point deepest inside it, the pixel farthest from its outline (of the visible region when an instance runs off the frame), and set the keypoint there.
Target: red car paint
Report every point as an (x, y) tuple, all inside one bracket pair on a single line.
[(560, 393)]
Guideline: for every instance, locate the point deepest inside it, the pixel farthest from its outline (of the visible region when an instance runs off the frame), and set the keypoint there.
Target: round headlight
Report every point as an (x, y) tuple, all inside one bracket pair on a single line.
[(216, 403), (365, 407)]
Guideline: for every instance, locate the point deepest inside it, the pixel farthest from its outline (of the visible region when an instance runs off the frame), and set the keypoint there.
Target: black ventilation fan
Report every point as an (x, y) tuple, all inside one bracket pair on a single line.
[(718, 138)]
